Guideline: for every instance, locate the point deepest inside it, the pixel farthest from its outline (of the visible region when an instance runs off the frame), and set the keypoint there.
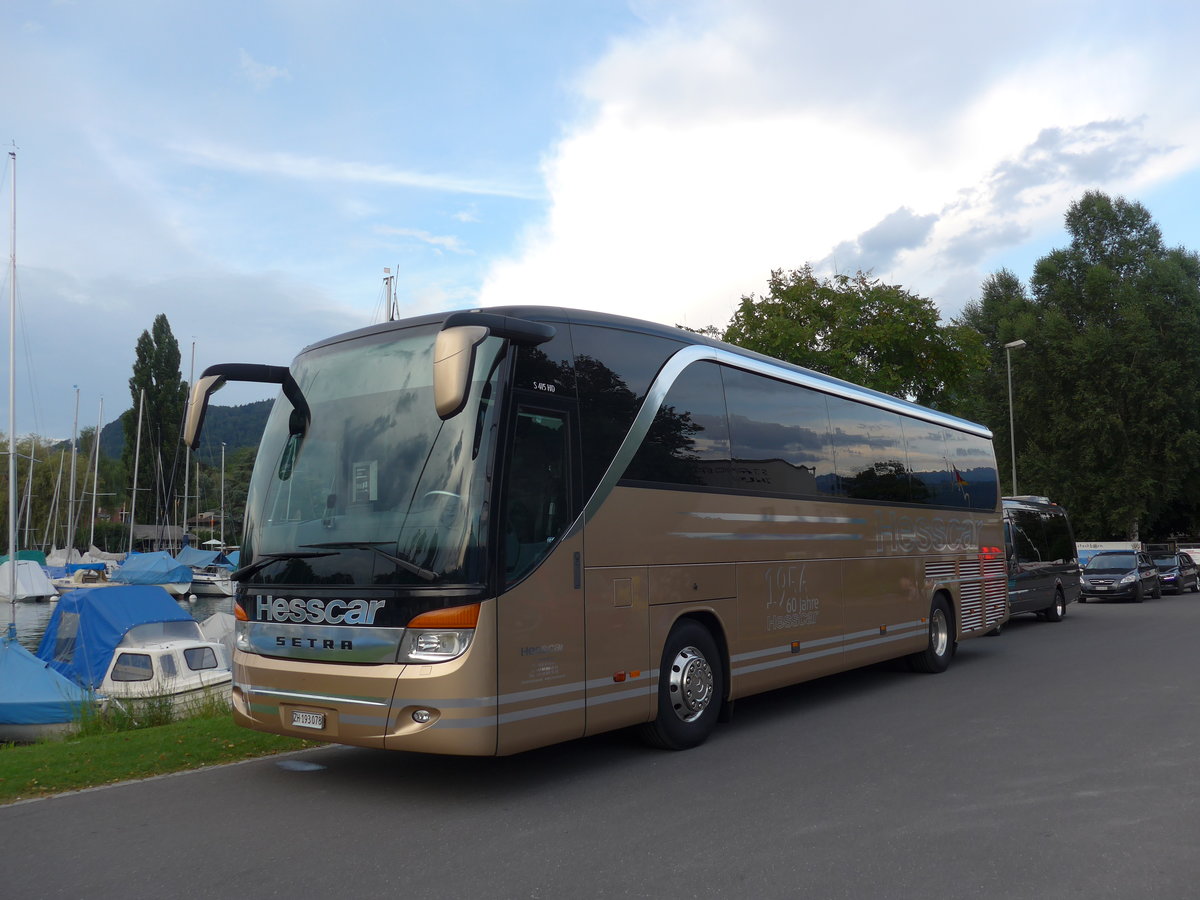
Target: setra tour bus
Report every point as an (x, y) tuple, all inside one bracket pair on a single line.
[(482, 532)]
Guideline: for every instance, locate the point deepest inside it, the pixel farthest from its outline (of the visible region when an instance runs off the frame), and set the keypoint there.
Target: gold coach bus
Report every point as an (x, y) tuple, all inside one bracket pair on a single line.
[(481, 532)]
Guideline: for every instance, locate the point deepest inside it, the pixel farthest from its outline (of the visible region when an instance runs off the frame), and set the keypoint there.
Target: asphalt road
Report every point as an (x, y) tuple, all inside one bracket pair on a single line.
[(1056, 760)]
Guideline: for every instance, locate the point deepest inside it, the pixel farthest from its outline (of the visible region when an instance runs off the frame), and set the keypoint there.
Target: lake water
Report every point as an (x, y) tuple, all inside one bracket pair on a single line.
[(32, 618)]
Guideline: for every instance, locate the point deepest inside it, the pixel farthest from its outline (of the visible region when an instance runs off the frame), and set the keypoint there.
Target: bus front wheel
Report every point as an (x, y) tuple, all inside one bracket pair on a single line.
[(690, 687), (937, 654)]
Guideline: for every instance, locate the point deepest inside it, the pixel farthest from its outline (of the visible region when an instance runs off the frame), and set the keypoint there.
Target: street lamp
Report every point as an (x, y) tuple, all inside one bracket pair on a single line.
[(1012, 434)]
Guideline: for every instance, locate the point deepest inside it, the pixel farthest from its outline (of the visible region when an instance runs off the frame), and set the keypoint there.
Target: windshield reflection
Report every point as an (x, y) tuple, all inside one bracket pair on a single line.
[(384, 490)]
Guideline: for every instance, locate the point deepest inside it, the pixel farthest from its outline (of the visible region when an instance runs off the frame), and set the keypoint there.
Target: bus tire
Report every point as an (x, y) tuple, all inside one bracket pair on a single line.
[(1058, 611), (690, 688), (937, 654)]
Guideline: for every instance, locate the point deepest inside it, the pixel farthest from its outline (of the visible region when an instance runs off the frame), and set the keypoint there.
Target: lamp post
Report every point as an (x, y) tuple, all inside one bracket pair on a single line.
[(1012, 434)]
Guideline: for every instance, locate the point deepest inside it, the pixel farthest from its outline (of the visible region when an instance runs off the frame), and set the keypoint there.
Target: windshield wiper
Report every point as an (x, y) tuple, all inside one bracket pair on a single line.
[(265, 559), (405, 564)]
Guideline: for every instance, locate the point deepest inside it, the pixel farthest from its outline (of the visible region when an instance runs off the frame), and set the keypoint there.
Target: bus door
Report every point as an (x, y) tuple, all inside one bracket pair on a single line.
[(540, 647)]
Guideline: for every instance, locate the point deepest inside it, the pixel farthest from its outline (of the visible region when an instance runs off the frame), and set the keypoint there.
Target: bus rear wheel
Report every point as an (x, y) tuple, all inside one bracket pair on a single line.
[(937, 654), (690, 689)]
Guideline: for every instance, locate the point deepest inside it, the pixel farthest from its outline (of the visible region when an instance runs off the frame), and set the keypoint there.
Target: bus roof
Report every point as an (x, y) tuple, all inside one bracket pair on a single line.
[(564, 315)]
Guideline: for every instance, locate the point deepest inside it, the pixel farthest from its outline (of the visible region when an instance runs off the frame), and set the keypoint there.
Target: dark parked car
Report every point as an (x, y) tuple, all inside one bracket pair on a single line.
[(1177, 572), (1120, 575), (1043, 570)]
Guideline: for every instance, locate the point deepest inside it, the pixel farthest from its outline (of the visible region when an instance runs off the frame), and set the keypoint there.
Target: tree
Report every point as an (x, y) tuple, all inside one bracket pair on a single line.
[(1102, 391), (1003, 313), (156, 374), (862, 330)]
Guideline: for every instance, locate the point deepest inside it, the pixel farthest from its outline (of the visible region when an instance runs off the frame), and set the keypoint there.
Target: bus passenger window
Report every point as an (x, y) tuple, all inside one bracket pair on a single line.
[(537, 502)]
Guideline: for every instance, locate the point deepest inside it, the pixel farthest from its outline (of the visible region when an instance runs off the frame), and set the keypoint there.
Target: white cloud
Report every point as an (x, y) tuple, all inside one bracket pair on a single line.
[(442, 242), (310, 168), (719, 150), (260, 75)]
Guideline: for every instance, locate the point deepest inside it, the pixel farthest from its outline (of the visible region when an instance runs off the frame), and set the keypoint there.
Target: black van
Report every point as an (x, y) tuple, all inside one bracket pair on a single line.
[(1043, 569)]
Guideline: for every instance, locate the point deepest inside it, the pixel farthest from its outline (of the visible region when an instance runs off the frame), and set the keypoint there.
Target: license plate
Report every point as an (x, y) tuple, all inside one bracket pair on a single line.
[(308, 720)]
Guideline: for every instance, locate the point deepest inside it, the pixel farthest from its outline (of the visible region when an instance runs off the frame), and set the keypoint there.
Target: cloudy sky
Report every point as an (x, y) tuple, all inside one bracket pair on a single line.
[(250, 168)]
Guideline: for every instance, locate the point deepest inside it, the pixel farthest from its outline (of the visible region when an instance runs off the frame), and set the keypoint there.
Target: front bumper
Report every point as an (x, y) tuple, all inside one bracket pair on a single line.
[(1112, 592)]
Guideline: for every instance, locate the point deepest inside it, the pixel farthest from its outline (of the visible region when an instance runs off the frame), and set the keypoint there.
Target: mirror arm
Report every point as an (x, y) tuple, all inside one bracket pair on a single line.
[(215, 377)]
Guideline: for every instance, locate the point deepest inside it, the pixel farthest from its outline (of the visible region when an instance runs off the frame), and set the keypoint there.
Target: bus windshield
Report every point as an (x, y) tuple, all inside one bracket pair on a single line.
[(377, 489)]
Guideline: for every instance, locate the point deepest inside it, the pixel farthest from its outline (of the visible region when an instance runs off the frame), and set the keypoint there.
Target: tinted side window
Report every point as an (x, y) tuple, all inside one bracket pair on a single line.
[(973, 465), (1060, 546), (868, 450), (613, 370), (132, 667), (1027, 535), (780, 435), (548, 367), (929, 478), (537, 503), (200, 658), (689, 440)]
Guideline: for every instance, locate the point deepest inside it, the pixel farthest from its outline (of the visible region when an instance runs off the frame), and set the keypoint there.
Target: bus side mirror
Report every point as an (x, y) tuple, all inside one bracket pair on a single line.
[(453, 366), (198, 405)]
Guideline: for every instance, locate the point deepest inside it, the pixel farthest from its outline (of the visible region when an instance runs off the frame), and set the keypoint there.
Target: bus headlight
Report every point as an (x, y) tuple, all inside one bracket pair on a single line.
[(439, 635), (241, 633), (435, 646)]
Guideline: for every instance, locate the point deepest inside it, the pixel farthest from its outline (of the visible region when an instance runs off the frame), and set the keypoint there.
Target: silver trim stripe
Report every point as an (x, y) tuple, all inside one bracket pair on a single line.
[(847, 643), (736, 536), (309, 697), (766, 518)]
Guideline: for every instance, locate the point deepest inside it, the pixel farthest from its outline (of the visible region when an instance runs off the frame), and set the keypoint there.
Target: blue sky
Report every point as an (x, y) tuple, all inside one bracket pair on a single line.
[(250, 168)]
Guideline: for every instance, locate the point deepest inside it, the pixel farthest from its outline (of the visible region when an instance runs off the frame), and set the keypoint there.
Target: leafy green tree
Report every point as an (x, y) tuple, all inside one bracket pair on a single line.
[(862, 330), (1003, 313), (1105, 421), (156, 374)]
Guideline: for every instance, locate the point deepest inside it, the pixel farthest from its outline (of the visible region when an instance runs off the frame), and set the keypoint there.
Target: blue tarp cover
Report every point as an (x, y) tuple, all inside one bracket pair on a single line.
[(151, 568), (32, 693), (198, 559), (88, 624), (64, 571)]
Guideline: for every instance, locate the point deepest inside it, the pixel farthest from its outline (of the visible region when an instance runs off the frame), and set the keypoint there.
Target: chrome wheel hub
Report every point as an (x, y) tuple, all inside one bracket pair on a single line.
[(691, 684), (939, 633)]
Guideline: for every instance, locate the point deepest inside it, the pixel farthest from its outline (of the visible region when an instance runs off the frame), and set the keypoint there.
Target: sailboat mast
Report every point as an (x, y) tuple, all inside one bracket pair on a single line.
[(137, 455), (95, 475), (27, 515), (12, 398), (187, 460), (72, 513)]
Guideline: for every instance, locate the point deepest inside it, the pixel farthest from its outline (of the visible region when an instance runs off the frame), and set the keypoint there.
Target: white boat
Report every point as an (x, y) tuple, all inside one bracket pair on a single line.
[(159, 568), (133, 645), (212, 581), (210, 571), (78, 576), (31, 582)]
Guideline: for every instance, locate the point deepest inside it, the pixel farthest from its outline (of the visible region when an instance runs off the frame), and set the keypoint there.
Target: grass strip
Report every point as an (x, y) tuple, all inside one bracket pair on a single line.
[(52, 767)]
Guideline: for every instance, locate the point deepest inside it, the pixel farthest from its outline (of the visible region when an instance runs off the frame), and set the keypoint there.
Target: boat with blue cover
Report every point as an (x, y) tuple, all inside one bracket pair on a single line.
[(36, 702), (134, 643)]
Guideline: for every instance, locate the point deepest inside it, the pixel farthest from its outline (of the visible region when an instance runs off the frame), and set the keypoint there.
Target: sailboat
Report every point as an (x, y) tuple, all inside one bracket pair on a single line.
[(35, 701)]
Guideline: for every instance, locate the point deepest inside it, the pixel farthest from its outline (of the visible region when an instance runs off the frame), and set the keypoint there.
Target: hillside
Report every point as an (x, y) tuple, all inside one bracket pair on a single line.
[(236, 426)]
